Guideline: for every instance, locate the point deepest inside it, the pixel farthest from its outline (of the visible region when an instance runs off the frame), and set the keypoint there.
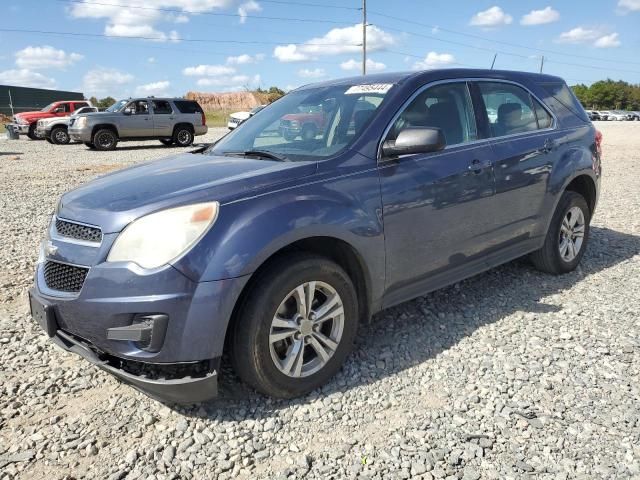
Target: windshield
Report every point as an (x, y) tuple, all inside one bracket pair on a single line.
[(116, 107), (48, 107), (309, 124)]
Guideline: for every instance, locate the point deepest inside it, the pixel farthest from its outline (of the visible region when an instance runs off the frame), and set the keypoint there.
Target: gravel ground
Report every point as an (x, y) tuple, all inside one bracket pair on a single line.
[(511, 374)]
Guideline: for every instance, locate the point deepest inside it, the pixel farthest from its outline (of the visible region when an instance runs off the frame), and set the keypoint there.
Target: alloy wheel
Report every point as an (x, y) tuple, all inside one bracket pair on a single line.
[(571, 234), (306, 329)]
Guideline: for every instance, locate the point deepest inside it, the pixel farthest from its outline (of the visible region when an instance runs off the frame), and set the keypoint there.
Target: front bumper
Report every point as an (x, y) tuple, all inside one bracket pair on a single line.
[(80, 134), (19, 128)]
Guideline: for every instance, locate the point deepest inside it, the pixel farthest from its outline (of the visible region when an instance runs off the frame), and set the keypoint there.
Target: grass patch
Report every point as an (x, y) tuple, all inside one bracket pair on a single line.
[(218, 118)]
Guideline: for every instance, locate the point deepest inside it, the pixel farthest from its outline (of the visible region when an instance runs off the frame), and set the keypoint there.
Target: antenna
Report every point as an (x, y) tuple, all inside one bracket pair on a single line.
[(494, 61), (541, 63)]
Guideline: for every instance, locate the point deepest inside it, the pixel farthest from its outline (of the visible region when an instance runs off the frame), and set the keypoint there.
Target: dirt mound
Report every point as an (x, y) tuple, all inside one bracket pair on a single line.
[(228, 101)]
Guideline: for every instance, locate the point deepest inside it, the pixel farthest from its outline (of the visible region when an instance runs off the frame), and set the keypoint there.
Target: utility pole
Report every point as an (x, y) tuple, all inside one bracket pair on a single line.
[(541, 63), (494, 61), (364, 37), (11, 104)]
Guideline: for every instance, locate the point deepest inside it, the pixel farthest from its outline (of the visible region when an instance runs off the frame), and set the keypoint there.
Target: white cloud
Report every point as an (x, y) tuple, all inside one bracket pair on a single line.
[(434, 60), (157, 89), (355, 65), (246, 8), (245, 59), (578, 35), (336, 41), (131, 20), (607, 41), (540, 17), (105, 81), (308, 73), (26, 78), (626, 6), (208, 71), (492, 17), (36, 58)]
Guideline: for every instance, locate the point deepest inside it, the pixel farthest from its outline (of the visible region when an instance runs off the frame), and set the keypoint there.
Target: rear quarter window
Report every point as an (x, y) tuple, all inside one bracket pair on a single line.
[(187, 106), (563, 95)]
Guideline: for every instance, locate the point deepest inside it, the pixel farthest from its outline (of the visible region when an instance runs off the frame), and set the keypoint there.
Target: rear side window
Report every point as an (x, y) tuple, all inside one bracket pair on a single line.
[(162, 107), (563, 94), (447, 107), (78, 105), (187, 106), (510, 109)]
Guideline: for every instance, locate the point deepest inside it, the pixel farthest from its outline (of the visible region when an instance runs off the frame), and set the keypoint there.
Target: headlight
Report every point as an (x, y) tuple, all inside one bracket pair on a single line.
[(21, 121), (161, 237), (81, 122)]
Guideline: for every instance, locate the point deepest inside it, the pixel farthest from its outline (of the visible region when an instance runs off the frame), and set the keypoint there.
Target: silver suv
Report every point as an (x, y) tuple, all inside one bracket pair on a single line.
[(170, 120)]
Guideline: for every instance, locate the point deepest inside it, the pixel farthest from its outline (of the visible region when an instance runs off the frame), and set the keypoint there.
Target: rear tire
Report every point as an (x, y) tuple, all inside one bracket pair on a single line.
[(566, 241), (183, 136), (60, 136), (269, 363), (105, 139)]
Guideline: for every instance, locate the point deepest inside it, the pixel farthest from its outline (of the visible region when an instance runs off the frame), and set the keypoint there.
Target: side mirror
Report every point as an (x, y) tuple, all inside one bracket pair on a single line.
[(128, 111), (415, 140)]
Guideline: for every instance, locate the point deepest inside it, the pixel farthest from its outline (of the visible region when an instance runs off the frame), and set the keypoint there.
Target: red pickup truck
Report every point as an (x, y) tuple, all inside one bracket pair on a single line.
[(24, 123), (306, 123)]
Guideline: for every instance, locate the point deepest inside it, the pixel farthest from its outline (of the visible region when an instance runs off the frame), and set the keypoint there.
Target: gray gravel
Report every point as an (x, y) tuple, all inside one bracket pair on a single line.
[(511, 374)]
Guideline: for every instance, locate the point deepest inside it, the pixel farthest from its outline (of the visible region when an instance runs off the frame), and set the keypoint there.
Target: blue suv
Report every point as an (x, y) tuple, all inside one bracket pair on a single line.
[(275, 249)]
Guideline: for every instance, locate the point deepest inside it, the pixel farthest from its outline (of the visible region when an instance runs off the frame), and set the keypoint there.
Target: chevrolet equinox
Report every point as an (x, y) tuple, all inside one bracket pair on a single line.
[(274, 248)]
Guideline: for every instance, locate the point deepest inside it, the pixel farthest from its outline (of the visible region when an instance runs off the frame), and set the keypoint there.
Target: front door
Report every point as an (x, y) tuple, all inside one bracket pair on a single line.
[(137, 121), (436, 206)]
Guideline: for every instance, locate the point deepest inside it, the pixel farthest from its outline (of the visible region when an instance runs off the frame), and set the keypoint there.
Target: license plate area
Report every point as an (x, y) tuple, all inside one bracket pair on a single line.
[(43, 313)]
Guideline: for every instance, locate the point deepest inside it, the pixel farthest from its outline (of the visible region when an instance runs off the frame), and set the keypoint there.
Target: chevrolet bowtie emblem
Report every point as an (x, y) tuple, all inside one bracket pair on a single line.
[(50, 249)]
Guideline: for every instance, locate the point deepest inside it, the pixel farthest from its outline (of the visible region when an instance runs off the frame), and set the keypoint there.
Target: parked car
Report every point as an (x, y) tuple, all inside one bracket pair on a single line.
[(605, 114), (54, 130), (593, 114), (235, 119), (617, 115), (276, 250), (173, 121), (305, 123), (633, 116), (25, 123)]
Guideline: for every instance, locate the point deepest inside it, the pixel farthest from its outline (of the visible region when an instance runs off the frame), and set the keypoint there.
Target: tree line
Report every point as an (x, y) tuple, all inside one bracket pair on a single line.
[(609, 95)]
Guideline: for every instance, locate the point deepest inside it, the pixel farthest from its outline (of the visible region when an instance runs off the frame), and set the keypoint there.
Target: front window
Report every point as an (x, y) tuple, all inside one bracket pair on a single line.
[(116, 107), (310, 124), (48, 107)]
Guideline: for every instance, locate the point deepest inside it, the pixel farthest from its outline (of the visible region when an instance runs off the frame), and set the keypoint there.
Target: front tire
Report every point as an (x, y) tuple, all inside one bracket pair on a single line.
[(567, 237), (60, 136), (105, 139), (167, 142), (32, 134), (89, 145), (296, 327)]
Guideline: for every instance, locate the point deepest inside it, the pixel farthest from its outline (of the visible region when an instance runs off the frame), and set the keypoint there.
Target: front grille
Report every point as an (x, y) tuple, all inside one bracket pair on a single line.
[(63, 277), (78, 231)]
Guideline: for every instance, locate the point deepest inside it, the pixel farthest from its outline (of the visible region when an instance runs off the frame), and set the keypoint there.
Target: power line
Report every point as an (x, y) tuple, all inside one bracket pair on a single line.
[(502, 52), (511, 44), (215, 14), (196, 40), (304, 4)]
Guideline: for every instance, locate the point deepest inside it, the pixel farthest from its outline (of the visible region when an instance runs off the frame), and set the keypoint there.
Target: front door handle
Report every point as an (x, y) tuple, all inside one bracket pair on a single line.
[(477, 165)]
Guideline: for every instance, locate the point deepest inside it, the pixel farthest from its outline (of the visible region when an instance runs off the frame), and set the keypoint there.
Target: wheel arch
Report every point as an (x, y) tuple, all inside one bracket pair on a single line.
[(101, 126)]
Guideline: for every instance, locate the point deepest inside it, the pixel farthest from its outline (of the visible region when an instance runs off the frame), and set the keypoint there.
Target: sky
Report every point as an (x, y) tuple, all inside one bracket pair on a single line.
[(125, 48)]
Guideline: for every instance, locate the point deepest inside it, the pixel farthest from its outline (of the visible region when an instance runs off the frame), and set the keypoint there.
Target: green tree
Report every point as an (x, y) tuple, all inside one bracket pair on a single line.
[(94, 101), (106, 102)]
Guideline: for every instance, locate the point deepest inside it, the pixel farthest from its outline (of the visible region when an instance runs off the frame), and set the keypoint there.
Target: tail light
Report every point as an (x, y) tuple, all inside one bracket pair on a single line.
[(599, 142), (204, 119)]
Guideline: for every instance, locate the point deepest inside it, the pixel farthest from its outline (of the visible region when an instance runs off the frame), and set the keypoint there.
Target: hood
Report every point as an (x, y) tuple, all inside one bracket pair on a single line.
[(114, 200), (33, 116)]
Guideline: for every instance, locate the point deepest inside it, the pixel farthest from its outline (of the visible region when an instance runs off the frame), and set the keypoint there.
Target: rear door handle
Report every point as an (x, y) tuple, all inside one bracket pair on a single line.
[(477, 165)]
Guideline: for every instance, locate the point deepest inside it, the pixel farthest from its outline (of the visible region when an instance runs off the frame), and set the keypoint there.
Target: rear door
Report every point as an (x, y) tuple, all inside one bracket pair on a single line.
[(524, 153), (436, 206), (163, 118)]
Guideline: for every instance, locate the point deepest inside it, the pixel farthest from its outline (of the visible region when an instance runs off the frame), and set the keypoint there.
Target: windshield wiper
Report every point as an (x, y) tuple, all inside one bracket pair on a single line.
[(260, 153)]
